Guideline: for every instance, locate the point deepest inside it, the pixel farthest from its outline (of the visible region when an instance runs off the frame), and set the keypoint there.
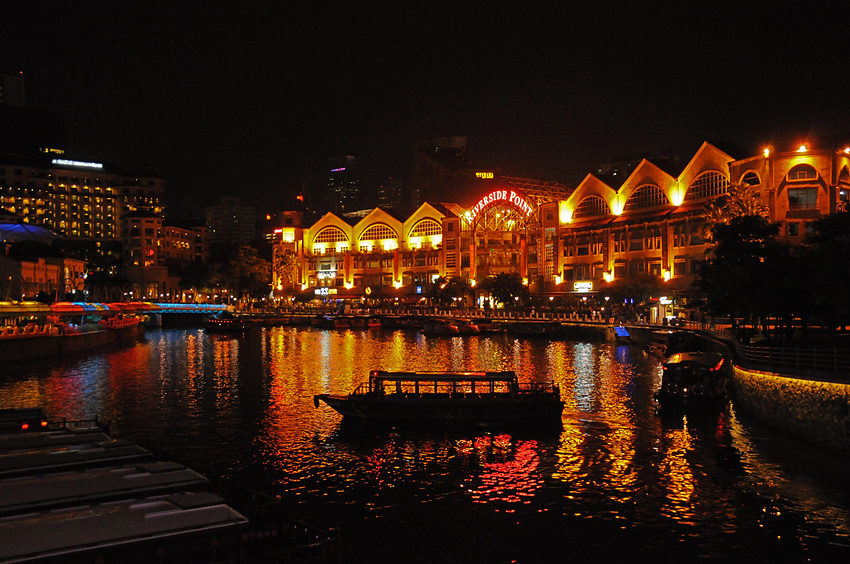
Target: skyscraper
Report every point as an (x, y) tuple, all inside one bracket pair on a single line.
[(343, 189)]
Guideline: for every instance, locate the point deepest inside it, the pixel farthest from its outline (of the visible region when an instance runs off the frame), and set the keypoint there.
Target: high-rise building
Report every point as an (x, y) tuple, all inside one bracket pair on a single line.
[(343, 191), (75, 199), (231, 223), (443, 171)]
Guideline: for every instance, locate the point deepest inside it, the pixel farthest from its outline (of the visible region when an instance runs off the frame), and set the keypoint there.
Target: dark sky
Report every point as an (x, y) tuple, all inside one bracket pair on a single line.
[(239, 97)]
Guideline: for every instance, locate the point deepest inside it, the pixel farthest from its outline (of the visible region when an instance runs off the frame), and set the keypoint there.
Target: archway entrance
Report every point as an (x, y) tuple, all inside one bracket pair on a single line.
[(498, 228)]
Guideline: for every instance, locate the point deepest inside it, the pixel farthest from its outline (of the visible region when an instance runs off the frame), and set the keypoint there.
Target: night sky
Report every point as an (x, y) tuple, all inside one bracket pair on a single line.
[(242, 97)]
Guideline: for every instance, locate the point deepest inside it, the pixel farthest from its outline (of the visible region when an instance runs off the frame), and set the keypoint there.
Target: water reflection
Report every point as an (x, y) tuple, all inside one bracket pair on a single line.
[(243, 406)]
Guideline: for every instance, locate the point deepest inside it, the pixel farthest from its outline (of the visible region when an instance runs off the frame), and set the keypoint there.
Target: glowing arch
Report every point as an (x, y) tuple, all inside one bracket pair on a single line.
[(504, 198)]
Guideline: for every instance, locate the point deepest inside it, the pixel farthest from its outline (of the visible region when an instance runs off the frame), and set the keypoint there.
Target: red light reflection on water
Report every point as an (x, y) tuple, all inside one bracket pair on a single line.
[(510, 470)]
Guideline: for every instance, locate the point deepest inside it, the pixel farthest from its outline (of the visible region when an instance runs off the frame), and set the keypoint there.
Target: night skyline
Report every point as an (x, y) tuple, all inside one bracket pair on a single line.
[(222, 99)]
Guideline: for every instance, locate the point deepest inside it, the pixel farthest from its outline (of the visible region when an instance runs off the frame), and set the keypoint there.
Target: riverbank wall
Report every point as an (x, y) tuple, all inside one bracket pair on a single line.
[(812, 410)]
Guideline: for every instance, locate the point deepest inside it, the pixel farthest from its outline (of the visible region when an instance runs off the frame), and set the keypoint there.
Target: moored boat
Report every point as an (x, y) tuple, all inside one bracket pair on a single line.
[(226, 322), (478, 397), (693, 377), (440, 328)]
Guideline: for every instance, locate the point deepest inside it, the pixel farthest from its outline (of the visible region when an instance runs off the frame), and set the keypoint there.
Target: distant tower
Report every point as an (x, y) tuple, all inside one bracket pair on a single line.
[(389, 195), (12, 91), (343, 189), (231, 223)]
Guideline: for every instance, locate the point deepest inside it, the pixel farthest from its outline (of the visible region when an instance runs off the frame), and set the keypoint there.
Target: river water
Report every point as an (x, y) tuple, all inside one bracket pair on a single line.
[(616, 482)]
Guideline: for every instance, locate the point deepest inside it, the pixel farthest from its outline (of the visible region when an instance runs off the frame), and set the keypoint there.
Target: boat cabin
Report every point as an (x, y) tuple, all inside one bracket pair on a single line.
[(445, 384)]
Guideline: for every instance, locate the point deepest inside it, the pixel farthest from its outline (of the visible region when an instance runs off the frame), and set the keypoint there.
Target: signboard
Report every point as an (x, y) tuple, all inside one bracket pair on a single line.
[(504, 197), (583, 287), (66, 162)]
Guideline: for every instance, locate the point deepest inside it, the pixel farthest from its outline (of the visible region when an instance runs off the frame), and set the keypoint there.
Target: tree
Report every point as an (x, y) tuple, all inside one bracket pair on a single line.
[(506, 287), (450, 288), (827, 270), (200, 275), (741, 200), (745, 273), (246, 272), (284, 264), (635, 289)]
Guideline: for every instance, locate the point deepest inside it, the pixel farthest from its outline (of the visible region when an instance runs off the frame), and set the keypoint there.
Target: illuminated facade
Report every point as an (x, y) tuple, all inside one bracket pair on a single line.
[(562, 242), (75, 199), (154, 251)]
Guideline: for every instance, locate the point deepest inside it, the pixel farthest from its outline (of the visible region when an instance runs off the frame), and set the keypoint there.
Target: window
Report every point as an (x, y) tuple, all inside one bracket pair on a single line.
[(708, 184), (377, 233), (802, 198), (591, 206), (750, 179), (802, 172), (330, 235), (424, 228), (646, 196), (794, 229)]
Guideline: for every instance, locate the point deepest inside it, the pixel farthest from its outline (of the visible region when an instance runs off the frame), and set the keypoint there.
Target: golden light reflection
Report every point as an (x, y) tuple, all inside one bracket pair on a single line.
[(675, 472), (596, 451)]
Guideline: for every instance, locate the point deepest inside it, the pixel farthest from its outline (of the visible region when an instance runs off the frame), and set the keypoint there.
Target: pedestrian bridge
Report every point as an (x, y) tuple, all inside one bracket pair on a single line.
[(18, 309)]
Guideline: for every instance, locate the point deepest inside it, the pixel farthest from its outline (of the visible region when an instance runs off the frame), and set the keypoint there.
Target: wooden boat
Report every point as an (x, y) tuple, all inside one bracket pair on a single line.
[(693, 377), (478, 397)]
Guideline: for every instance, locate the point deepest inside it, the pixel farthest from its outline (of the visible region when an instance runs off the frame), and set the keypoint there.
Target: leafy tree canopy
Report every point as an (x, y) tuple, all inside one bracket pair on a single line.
[(506, 287)]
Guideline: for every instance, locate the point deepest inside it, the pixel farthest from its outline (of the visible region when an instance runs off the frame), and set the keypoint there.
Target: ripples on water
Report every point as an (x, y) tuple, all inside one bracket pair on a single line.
[(615, 482)]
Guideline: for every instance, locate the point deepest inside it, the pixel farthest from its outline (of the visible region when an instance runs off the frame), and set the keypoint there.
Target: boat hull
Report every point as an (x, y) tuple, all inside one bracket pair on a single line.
[(23, 348), (468, 409)]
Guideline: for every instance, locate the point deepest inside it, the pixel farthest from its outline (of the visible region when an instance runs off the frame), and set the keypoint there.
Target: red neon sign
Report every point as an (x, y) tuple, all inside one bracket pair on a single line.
[(500, 196)]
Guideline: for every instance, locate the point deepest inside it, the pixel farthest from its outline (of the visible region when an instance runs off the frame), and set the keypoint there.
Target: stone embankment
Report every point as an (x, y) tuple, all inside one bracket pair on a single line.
[(813, 410)]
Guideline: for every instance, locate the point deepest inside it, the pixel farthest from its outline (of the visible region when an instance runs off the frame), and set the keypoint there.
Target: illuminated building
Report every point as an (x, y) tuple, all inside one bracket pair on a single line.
[(75, 199), (155, 252), (562, 241)]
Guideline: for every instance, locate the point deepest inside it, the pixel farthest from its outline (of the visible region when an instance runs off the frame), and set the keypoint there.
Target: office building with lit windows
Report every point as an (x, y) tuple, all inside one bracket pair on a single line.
[(561, 241)]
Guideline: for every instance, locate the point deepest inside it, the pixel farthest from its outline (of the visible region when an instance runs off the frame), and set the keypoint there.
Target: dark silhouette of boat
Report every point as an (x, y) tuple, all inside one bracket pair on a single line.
[(693, 378), (478, 397)]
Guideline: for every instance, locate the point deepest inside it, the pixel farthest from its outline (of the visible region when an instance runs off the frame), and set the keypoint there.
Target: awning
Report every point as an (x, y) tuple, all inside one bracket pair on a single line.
[(23, 308), (77, 308), (642, 217)]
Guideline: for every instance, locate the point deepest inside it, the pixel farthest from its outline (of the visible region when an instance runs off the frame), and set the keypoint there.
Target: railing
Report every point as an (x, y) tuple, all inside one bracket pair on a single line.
[(829, 363)]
